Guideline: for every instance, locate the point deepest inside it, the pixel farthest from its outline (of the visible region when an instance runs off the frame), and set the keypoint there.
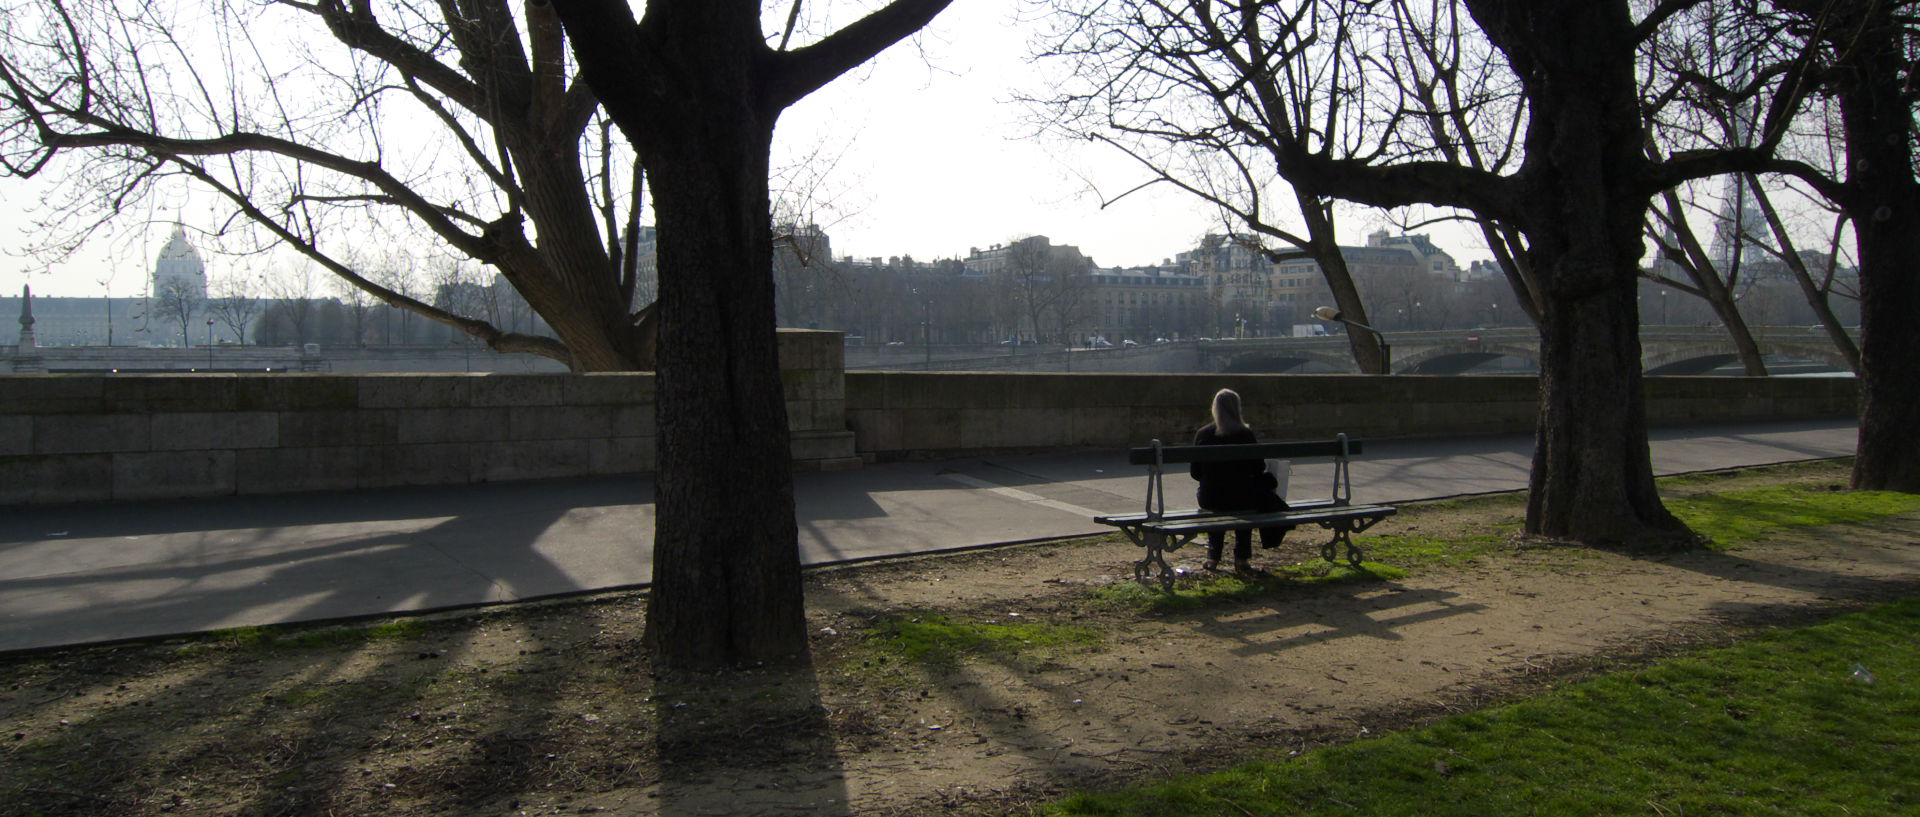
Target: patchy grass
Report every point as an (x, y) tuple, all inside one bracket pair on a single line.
[(305, 636), (1730, 517), (1814, 721), (945, 640), (1216, 589)]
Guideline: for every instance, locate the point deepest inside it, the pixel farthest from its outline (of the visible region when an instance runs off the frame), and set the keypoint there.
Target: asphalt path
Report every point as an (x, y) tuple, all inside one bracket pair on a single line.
[(73, 574)]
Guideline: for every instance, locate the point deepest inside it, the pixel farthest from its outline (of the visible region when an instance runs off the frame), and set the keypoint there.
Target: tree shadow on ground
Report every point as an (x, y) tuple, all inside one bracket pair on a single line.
[(753, 742)]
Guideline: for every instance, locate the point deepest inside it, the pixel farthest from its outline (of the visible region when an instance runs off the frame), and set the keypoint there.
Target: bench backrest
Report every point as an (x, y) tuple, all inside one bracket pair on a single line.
[(1158, 455), (1180, 454)]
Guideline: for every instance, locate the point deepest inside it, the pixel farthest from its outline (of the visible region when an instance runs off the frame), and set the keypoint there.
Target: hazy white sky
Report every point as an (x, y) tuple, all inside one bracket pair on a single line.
[(931, 157)]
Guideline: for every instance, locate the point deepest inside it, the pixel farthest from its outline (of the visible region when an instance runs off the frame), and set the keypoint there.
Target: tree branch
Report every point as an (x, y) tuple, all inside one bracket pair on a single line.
[(791, 75)]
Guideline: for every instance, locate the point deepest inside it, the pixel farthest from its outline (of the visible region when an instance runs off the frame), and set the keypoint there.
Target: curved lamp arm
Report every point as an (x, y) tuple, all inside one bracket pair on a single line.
[(1328, 313)]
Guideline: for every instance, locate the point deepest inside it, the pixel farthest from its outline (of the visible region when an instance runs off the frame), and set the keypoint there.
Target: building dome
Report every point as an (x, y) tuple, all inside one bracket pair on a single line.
[(179, 268), (178, 249)]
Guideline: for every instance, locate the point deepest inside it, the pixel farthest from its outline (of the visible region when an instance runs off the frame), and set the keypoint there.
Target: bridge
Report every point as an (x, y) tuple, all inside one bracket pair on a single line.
[(1665, 351)]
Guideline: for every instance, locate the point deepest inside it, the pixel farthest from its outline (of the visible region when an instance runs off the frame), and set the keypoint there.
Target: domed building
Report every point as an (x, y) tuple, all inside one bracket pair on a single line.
[(179, 268)]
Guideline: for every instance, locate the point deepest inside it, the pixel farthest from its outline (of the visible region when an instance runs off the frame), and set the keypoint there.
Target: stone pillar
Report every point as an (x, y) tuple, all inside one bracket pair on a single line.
[(813, 369), (26, 359)]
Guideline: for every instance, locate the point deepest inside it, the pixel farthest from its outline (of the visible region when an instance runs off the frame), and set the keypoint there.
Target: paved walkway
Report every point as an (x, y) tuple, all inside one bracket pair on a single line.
[(83, 573)]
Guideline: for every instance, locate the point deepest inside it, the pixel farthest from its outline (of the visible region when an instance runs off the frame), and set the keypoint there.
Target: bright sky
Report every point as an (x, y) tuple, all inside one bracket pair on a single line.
[(933, 158)]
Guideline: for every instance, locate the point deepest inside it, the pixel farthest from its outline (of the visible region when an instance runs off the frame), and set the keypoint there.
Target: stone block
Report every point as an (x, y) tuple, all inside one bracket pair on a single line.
[(91, 433), (541, 459), (810, 446), (1099, 428), (876, 430), (292, 470), (221, 430), (577, 422), (623, 455), (867, 390), (934, 429), (407, 391), (812, 384), (607, 389), (320, 429), (297, 392), (830, 415), (58, 478), (16, 435), (426, 464), (520, 389), (448, 425), (149, 393), (171, 474), (36, 394)]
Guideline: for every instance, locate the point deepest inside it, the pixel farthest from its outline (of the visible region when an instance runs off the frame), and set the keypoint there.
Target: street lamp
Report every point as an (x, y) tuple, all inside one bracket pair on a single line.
[(209, 344), (926, 332), (1328, 313)]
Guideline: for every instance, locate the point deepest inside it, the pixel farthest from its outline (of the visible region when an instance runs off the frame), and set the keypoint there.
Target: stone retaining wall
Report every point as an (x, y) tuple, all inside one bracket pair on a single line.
[(78, 438), (904, 415), (73, 438)]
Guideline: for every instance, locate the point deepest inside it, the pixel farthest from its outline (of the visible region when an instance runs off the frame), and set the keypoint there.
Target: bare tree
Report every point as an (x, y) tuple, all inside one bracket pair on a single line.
[(1869, 49), (358, 306), (236, 303), (292, 293), (697, 86), (1373, 83), (1577, 195), (306, 118), (1818, 287), (177, 302), (1669, 229)]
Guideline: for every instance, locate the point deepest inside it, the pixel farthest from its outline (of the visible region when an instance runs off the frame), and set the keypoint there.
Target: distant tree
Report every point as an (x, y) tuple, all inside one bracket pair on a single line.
[(356, 311), (235, 303), (292, 293), (178, 302)]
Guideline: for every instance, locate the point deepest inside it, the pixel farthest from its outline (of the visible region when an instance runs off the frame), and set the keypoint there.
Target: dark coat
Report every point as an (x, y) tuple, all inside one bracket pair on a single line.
[(1233, 485)]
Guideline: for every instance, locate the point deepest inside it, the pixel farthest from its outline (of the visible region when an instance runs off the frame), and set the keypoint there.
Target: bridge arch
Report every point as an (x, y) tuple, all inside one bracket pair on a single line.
[(1700, 357), (1454, 358), (1274, 361)]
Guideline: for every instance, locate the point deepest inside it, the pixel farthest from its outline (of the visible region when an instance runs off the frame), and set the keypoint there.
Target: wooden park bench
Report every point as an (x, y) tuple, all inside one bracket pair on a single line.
[(1160, 530)]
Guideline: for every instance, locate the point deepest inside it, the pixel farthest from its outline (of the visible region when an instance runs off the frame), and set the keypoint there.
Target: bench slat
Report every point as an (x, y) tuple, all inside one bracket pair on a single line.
[(1253, 451), (1193, 513), (1271, 520)]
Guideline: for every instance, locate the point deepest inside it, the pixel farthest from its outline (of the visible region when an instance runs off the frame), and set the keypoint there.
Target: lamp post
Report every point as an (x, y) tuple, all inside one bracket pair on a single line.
[(107, 284), (1328, 313), (209, 344)]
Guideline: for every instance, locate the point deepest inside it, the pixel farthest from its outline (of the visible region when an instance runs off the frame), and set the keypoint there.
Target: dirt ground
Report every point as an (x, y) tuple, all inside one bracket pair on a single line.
[(550, 709)]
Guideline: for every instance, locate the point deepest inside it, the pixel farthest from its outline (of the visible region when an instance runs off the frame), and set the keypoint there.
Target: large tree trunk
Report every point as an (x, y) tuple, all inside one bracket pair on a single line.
[(721, 409), (1581, 210), (1592, 478), (726, 572), (1883, 197)]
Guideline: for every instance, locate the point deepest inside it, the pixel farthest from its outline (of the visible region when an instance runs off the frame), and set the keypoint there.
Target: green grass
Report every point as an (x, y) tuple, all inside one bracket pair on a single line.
[(1210, 589), (1731, 517), (299, 637), (946, 640), (1412, 550), (1777, 726)]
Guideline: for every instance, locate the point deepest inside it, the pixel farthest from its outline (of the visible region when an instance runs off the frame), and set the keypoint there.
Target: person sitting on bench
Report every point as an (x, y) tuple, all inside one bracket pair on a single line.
[(1236, 485)]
